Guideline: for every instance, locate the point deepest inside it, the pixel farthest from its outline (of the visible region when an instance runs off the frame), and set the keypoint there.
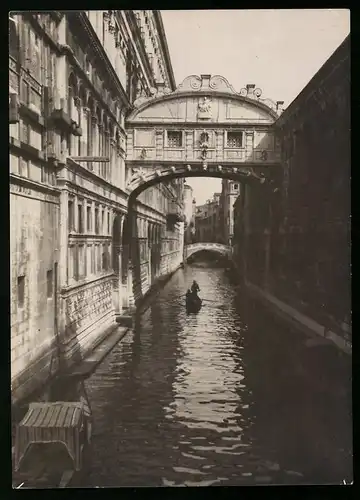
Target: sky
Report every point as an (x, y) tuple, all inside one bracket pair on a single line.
[(278, 50)]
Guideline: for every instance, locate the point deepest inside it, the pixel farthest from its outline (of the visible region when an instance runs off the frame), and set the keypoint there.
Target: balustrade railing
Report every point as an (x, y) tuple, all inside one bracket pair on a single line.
[(241, 155)]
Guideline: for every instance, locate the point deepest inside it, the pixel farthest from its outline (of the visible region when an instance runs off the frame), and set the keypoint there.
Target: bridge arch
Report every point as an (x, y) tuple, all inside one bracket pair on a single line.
[(141, 181), (193, 248)]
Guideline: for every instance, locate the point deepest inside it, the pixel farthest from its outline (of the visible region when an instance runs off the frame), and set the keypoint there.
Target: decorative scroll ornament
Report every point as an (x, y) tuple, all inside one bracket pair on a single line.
[(220, 84), (204, 109), (207, 85), (192, 82)]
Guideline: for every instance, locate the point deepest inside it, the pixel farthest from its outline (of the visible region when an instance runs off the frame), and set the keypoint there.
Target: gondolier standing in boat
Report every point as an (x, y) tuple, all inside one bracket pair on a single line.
[(195, 288)]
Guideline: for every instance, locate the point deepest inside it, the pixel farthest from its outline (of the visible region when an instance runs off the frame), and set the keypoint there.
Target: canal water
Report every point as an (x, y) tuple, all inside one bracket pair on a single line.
[(227, 396)]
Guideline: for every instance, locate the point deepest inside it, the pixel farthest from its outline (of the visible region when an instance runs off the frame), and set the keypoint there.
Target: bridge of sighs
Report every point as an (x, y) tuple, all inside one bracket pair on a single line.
[(205, 128)]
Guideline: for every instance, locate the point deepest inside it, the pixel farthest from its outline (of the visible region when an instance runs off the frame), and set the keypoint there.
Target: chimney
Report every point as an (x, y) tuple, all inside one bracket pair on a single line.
[(279, 106), (250, 89)]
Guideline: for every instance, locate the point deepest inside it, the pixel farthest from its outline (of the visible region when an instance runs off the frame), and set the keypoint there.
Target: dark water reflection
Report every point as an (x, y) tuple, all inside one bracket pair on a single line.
[(223, 397)]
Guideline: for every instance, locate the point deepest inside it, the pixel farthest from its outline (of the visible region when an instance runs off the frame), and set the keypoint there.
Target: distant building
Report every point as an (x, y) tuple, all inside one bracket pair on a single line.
[(208, 224), (189, 212), (230, 191)]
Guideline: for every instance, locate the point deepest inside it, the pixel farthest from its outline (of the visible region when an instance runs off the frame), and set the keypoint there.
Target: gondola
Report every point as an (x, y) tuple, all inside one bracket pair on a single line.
[(193, 304)]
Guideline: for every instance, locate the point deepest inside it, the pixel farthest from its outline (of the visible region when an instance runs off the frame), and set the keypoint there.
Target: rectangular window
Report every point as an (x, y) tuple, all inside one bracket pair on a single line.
[(96, 220), (49, 284), (88, 219), (80, 219), (174, 138), (88, 260), (25, 133), (93, 259), (235, 140), (98, 258), (105, 258), (108, 222), (71, 263), (21, 290), (102, 221), (70, 215), (81, 261), (76, 262), (24, 168)]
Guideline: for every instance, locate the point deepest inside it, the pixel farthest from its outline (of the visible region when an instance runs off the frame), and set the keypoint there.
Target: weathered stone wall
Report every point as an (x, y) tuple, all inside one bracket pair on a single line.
[(89, 312), (151, 263), (315, 239), (33, 251), (295, 237)]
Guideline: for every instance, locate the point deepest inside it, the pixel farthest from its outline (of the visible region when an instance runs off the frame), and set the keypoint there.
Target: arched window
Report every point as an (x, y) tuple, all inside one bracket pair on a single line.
[(83, 123), (99, 144), (73, 112), (106, 145), (91, 128), (117, 140), (13, 39)]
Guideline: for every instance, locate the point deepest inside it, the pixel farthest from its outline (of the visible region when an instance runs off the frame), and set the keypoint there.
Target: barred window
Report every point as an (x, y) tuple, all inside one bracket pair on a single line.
[(174, 139), (234, 139)]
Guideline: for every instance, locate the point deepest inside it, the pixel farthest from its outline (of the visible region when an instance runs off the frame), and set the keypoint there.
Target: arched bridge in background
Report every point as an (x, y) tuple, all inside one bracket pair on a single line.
[(224, 250)]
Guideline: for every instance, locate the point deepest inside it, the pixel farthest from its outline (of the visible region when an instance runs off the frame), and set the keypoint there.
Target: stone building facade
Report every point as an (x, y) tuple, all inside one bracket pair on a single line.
[(208, 222), (190, 215), (229, 193), (73, 79), (293, 240)]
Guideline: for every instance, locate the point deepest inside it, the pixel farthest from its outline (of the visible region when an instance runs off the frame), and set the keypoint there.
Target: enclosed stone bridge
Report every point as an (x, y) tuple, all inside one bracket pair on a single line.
[(218, 248), (203, 128)]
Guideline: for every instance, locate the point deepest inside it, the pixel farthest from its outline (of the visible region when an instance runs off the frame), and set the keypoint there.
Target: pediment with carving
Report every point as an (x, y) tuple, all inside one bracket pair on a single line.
[(200, 97), (203, 109)]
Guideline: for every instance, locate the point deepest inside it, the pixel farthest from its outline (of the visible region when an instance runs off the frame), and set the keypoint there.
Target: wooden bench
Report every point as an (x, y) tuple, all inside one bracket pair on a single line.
[(58, 422)]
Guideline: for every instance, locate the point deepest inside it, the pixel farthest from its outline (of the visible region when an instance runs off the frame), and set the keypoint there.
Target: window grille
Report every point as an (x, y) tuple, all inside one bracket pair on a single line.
[(174, 139), (235, 140)]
